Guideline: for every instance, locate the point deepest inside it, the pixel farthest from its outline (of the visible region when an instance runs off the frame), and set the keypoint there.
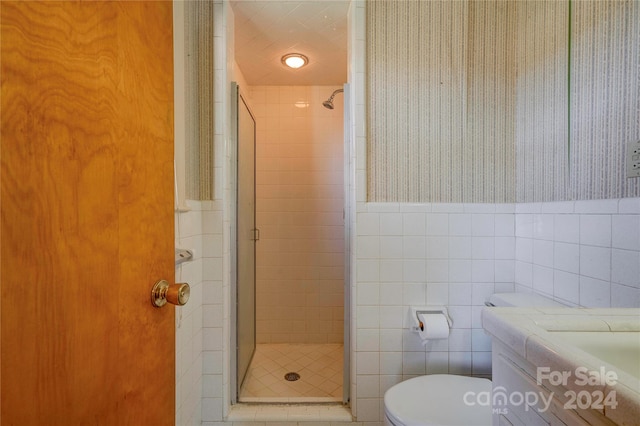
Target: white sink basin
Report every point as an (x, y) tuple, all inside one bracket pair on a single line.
[(619, 348)]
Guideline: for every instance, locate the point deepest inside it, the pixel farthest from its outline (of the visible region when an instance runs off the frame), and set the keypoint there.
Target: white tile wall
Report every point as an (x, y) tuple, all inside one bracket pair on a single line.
[(189, 337), (591, 258), (409, 254), (199, 336)]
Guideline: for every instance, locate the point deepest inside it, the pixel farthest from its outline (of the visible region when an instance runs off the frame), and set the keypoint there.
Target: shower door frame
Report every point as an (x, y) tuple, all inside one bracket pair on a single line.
[(237, 96), (346, 219)]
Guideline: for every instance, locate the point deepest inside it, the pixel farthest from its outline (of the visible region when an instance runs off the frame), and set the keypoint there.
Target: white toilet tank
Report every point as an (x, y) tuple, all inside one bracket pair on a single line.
[(438, 399)]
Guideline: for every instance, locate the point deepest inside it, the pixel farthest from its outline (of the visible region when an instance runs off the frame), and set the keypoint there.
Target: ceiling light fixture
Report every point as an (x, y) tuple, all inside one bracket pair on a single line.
[(295, 60)]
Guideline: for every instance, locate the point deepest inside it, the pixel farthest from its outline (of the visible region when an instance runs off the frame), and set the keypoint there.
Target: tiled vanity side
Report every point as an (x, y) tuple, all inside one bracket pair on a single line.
[(524, 354)]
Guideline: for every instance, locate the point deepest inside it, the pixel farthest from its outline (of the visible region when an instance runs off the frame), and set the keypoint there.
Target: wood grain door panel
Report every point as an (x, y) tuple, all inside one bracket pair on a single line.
[(86, 206)]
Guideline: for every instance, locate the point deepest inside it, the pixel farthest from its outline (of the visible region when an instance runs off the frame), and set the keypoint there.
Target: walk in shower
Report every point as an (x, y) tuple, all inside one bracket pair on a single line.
[(290, 304)]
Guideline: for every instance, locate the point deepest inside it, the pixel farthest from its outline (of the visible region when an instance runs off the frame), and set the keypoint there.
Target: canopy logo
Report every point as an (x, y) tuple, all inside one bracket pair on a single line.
[(500, 399)]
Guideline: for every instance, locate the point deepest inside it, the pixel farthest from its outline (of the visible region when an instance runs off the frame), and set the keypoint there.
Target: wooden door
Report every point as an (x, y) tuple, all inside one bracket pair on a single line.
[(86, 213)]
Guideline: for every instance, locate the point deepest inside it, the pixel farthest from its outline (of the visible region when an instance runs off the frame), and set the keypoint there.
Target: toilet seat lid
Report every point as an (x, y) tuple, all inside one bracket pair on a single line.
[(438, 399)]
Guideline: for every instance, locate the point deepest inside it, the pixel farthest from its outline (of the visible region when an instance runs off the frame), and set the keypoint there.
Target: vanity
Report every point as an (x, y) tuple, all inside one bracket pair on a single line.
[(564, 366)]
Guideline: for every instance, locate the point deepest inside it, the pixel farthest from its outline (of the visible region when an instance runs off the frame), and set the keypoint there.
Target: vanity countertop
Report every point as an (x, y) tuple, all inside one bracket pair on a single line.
[(590, 352)]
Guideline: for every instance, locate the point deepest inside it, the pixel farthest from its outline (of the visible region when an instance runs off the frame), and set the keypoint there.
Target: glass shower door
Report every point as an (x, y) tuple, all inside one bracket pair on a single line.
[(246, 236)]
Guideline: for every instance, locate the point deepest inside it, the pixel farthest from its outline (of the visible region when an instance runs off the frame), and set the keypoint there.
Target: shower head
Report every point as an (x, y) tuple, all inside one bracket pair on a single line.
[(329, 102)]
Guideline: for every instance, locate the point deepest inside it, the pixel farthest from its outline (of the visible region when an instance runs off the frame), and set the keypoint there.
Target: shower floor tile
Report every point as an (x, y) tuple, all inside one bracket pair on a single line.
[(319, 367)]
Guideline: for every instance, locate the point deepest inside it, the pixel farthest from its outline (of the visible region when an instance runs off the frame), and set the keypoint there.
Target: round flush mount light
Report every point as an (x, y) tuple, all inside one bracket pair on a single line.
[(295, 60)]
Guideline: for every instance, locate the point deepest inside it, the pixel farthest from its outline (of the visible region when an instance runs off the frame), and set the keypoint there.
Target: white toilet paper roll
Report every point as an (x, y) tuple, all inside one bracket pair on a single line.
[(435, 326)]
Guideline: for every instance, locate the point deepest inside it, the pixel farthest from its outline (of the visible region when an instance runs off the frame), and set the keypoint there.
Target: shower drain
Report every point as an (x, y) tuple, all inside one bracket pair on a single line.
[(292, 377)]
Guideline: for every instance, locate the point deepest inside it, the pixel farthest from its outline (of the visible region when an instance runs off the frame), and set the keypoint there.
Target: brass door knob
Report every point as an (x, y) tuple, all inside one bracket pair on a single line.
[(163, 292)]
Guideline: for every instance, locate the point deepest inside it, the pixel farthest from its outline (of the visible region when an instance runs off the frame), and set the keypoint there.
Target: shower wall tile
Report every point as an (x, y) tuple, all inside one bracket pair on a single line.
[(299, 205)]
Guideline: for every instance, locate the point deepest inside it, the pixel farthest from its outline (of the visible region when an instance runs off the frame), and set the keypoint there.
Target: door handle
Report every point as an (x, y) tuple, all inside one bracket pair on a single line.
[(163, 292)]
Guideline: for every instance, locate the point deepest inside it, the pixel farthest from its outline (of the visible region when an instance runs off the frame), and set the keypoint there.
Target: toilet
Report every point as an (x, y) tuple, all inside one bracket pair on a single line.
[(436, 399), (447, 399)]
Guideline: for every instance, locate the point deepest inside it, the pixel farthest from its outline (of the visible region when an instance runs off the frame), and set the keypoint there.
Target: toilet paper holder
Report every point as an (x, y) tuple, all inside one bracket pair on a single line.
[(417, 325)]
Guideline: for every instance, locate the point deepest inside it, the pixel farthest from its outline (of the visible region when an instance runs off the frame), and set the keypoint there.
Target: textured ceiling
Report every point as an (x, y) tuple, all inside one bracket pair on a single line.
[(265, 30)]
